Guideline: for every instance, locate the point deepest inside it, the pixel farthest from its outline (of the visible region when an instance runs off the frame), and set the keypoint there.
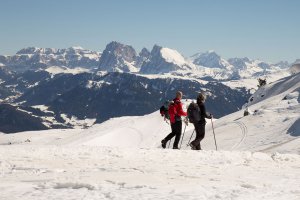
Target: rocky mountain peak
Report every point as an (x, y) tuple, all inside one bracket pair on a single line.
[(144, 53), (164, 60), (143, 56), (118, 57)]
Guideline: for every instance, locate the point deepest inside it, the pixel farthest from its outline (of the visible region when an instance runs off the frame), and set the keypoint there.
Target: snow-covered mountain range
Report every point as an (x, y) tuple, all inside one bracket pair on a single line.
[(33, 58), (119, 57), (77, 87)]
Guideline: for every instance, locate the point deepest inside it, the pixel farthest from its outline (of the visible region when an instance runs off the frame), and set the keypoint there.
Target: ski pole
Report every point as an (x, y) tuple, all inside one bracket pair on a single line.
[(214, 134), (182, 137), (190, 138)]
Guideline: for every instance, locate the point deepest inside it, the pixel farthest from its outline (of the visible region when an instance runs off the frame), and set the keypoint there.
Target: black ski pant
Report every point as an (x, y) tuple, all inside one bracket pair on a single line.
[(200, 134), (176, 131)]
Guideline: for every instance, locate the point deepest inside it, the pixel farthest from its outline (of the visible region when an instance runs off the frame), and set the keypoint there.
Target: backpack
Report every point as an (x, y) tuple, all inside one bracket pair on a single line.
[(193, 113), (164, 109)]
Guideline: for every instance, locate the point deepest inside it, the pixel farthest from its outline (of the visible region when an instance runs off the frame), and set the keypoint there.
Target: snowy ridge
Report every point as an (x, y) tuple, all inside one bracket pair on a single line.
[(165, 60), (118, 57), (172, 56), (210, 59)]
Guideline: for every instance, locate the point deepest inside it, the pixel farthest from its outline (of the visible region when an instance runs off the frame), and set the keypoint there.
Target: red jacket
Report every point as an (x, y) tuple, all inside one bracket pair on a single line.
[(176, 111)]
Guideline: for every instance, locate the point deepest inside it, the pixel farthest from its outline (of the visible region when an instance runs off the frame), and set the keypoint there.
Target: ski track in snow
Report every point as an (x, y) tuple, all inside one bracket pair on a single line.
[(244, 130)]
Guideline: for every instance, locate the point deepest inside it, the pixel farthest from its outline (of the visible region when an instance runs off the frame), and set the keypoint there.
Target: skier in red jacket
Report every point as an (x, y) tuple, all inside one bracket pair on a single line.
[(175, 112)]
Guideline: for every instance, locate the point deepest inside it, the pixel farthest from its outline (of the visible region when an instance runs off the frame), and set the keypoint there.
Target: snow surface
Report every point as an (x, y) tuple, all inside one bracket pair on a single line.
[(55, 172), (258, 156)]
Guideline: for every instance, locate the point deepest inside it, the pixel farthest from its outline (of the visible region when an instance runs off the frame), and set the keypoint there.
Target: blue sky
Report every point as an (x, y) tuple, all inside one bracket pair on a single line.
[(265, 29)]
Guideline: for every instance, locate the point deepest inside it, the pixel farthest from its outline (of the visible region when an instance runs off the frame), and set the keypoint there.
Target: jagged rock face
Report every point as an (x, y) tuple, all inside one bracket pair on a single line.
[(143, 57), (210, 59), (40, 58), (118, 58), (164, 60)]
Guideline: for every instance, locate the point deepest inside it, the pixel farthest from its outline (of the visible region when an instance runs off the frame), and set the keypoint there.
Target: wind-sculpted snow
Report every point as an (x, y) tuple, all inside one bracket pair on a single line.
[(51, 172)]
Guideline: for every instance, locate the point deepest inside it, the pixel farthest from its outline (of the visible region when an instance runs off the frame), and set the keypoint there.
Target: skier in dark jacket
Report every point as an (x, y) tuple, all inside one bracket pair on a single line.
[(176, 122), (200, 125)]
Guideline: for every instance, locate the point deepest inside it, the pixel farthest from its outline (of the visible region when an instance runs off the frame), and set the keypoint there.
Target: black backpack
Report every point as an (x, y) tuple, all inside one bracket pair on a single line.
[(193, 113), (164, 109)]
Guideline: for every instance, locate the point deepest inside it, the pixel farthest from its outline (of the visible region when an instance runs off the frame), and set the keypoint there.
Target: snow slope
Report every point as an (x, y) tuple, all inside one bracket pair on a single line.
[(274, 110), (54, 172), (122, 158)]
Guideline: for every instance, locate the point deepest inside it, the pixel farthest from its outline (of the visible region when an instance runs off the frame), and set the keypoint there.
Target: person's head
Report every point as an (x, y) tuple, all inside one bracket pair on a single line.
[(201, 97), (178, 94)]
